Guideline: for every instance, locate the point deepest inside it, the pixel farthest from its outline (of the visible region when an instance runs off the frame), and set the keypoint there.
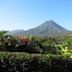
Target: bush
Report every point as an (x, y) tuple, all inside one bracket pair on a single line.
[(19, 62)]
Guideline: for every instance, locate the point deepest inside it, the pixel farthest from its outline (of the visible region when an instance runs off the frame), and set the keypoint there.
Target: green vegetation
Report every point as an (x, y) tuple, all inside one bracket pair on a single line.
[(2, 33), (25, 62), (43, 45), (35, 54)]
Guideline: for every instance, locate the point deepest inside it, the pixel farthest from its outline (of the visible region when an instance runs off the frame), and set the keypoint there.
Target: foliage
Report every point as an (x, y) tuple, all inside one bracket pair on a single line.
[(35, 44), (35, 54), (24, 62), (7, 43), (2, 33)]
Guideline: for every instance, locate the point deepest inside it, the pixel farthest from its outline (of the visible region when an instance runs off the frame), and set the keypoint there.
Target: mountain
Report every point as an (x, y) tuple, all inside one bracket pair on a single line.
[(48, 28), (15, 32)]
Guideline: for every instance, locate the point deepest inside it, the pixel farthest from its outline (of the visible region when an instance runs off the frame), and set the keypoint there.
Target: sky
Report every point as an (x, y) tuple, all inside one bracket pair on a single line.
[(27, 14)]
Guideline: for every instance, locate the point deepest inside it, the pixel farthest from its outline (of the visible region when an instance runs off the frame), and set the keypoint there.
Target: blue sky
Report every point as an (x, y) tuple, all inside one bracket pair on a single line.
[(27, 14)]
